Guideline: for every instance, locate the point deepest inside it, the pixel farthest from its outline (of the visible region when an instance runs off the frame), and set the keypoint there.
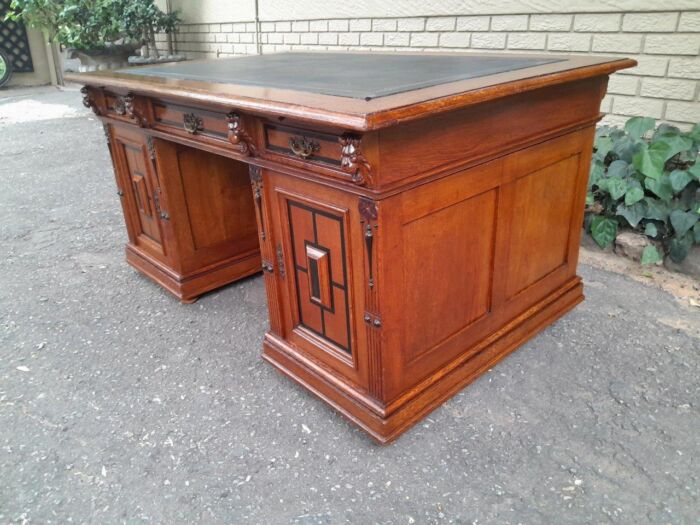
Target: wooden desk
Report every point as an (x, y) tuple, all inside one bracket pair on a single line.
[(417, 216)]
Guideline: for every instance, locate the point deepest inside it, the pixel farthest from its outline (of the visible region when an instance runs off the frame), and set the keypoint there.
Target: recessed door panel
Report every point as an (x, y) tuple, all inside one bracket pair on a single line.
[(317, 237), (543, 203), (447, 272), (140, 190)]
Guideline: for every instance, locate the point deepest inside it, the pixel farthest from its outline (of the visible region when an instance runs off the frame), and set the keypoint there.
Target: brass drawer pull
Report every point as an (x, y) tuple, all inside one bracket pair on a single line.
[(303, 147), (192, 123)]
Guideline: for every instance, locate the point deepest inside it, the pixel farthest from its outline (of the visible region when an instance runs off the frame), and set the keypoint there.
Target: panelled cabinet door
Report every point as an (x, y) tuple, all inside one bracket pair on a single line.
[(316, 231), (139, 189)]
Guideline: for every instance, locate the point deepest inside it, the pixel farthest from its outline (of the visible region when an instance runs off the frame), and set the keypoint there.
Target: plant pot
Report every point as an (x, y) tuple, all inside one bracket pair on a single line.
[(142, 61), (112, 57)]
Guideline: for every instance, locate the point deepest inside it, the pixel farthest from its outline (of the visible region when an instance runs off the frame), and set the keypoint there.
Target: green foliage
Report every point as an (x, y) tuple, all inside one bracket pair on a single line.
[(94, 25), (143, 17), (39, 14), (647, 178), (637, 127), (603, 230), (651, 255), (90, 24)]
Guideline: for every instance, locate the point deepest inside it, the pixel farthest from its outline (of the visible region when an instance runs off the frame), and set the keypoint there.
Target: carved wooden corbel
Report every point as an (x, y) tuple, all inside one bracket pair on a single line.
[(353, 161), (133, 113), (238, 136), (368, 215), (256, 180), (89, 101)]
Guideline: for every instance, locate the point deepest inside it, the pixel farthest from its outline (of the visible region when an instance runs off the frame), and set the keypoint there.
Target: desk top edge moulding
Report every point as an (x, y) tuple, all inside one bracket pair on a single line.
[(416, 217), (363, 113)]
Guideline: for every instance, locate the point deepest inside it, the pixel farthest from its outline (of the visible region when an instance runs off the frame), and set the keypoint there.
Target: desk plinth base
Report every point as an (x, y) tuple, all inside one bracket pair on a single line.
[(385, 428), (188, 288)]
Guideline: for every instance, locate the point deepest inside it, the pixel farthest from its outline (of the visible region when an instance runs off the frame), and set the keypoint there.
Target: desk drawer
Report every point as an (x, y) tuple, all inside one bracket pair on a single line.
[(190, 121), (304, 145)]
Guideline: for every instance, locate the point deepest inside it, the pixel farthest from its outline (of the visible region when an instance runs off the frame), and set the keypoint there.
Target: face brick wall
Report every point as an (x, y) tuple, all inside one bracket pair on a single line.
[(665, 85)]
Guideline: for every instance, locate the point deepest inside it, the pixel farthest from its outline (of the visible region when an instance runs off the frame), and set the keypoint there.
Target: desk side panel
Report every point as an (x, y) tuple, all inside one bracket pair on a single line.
[(425, 147), (470, 254)]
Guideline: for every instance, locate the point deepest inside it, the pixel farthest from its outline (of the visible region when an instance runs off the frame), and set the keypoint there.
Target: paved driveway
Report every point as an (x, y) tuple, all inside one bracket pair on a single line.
[(119, 405)]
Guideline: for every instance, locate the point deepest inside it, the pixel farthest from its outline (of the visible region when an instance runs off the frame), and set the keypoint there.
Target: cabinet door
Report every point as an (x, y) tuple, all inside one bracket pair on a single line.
[(140, 190), (318, 236)]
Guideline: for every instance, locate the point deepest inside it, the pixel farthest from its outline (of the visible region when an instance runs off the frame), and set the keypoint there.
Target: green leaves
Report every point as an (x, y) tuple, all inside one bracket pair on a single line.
[(656, 209), (603, 230), (650, 230), (635, 193), (679, 247), (636, 127), (650, 160), (633, 214), (602, 146), (661, 187), (616, 187), (694, 170), (618, 168), (651, 255), (682, 221), (596, 173), (93, 24), (679, 180), (695, 133), (675, 142), (647, 178)]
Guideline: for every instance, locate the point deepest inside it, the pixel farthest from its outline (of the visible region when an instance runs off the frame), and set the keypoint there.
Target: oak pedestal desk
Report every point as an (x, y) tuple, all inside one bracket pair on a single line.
[(416, 216)]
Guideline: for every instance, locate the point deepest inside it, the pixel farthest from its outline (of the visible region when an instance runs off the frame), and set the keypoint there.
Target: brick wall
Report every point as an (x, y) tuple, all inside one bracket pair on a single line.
[(665, 85)]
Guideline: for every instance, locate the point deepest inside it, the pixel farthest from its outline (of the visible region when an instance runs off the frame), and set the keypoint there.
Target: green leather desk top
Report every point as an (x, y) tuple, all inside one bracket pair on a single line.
[(360, 76)]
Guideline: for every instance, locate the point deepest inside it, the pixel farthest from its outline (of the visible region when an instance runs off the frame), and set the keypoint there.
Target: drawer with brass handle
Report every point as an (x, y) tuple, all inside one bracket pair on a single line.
[(304, 145), (193, 122)]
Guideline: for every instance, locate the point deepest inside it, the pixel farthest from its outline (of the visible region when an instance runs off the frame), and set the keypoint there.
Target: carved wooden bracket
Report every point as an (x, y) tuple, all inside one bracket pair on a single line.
[(353, 161), (133, 113), (239, 136), (256, 180), (89, 101), (151, 148), (369, 213)]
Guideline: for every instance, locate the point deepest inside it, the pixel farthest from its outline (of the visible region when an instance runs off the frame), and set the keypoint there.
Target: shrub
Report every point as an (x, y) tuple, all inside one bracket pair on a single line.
[(95, 25), (647, 178)]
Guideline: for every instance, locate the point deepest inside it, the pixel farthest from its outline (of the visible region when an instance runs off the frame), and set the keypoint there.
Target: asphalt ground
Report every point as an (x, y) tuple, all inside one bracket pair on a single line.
[(120, 405)]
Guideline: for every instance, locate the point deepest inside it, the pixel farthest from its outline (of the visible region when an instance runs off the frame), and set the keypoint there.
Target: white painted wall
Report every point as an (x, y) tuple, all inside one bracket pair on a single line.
[(319, 9)]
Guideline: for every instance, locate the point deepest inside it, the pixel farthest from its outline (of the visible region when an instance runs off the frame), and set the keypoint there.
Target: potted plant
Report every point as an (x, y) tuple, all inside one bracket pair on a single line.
[(100, 33), (142, 21), (93, 31)]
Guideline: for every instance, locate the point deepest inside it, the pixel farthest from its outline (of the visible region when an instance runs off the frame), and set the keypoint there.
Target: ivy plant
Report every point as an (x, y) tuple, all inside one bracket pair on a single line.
[(647, 178)]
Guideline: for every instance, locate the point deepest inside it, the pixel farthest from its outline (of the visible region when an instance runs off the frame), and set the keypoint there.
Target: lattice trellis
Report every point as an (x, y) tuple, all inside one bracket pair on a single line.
[(13, 40)]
